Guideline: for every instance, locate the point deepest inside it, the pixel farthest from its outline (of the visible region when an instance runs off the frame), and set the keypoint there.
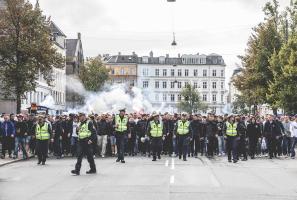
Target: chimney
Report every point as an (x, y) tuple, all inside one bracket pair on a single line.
[(151, 54), (79, 36), (119, 53), (167, 55), (179, 55)]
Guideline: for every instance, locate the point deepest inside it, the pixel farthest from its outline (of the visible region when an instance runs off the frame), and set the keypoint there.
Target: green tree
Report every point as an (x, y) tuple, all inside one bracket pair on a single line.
[(25, 49), (263, 43), (191, 101), (94, 74), (283, 86)]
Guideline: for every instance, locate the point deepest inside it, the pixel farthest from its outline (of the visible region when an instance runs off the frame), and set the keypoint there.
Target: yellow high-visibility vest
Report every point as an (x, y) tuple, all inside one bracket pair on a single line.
[(42, 132), (84, 131), (121, 123), (156, 129), (231, 129), (183, 128)]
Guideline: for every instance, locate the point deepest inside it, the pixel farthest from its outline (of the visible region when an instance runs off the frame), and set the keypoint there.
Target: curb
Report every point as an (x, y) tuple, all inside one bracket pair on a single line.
[(15, 161)]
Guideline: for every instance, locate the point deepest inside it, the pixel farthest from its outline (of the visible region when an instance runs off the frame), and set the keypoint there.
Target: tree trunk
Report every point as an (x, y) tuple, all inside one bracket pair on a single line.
[(18, 102), (274, 111)]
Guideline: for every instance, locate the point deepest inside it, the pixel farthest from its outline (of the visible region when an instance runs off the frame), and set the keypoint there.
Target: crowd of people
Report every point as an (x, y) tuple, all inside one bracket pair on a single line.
[(151, 135)]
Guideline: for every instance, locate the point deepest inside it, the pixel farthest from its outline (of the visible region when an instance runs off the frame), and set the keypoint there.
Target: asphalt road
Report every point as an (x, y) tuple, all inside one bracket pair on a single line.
[(142, 179)]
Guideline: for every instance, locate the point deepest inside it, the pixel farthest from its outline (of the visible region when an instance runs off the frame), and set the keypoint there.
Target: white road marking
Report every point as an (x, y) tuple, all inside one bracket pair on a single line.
[(172, 164), (214, 181), (166, 163), (172, 179)]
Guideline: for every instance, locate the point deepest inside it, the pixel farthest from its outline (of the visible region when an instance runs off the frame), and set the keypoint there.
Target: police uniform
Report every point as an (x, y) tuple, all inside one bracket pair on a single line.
[(42, 135), (121, 129), (184, 135), (232, 140), (86, 133), (156, 131)]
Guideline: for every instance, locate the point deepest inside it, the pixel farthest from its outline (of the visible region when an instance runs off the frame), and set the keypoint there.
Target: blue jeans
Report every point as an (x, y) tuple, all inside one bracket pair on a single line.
[(221, 142), (294, 141), (20, 141)]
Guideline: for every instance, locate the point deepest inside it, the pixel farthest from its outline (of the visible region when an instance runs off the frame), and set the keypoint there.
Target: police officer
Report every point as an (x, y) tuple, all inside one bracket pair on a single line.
[(183, 131), (241, 130), (121, 127), (86, 137), (156, 132), (43, 134), (231, 136)]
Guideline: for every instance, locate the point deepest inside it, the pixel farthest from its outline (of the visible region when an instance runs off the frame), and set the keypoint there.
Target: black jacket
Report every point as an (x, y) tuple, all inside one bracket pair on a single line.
[(211, 129), (253, 131), (103, 127)]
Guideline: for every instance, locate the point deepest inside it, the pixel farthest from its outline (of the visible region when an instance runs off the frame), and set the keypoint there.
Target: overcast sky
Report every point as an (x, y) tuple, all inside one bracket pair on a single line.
[(201, 26)]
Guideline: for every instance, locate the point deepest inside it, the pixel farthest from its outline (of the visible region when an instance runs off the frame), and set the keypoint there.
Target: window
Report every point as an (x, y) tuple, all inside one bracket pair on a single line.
[(222, 98), (172, 84), (157, 85), (172, 97), (122, 71), (222, 73), (179, 84), (145, 72), (164, 84), (187, 84), (214, 73), (157, 97), (112, 72), (214, 85), (179, 72), (164, 72), (204, 85), (204, 97), (195, 85), (157, 72), (195, 72), (222, 85), (214, 98), (179, 97), (186, 72), (145, 84), (172, 72), (205, 72), (214, 110), (164, 97)]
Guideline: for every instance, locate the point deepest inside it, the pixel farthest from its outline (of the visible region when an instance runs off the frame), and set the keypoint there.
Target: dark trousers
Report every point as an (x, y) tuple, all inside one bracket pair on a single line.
[(183, 143), (168, 146), (272, 143), (85, 149), (42, 150), (195, 145), (156, 145), (286, 145), (242, 147), (57, 147), (253, 146), (7, 144), (65, 145), (231, 145), (120, 140), (131, 145), (211, 144), (294, 141), (279, 146)]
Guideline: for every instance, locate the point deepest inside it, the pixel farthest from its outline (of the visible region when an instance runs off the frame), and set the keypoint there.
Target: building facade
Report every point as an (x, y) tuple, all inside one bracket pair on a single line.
[(122, 69), (163, 79), (74, 62), (54, 96)]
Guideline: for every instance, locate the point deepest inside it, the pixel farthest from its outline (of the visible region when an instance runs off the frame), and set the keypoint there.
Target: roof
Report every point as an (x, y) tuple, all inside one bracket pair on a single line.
[(123, 59), (71, 45), (55, 29)]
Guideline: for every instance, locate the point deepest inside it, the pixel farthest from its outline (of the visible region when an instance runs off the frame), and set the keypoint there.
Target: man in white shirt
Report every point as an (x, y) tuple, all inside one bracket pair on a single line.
[(293, 130)]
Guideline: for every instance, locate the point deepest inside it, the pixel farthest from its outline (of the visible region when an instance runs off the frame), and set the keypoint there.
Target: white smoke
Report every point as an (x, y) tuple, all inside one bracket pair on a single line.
[(111, 99), (48, 102)]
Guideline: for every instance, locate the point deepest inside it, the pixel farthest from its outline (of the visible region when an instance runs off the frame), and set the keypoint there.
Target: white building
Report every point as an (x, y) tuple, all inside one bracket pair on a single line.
[(51, 96), (163, 78)]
